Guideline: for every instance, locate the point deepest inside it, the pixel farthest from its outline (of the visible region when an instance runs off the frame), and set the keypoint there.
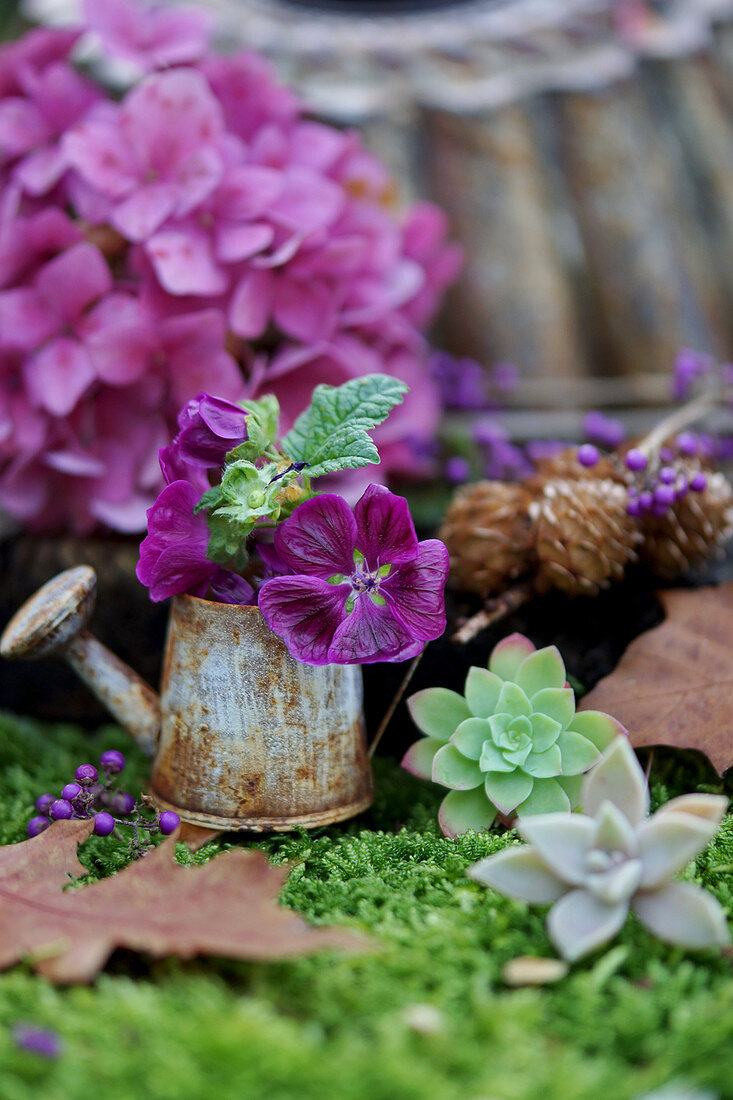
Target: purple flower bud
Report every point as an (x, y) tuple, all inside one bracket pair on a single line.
[(667, 475), (104, 823), (636, 460), (61, 810), (456, 470), (588, 455), (210, 428), (37, 1040), (645, 501), (86, 774), (698, 483), (168, 822), (71, 791), (43, 803), (687, 444), (112, 761), (664, 494), (36, 825)]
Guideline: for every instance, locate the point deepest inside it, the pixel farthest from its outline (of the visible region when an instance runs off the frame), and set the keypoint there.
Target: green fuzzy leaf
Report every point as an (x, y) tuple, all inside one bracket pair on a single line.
[(331, 434), (211, 498), (262, 420), (228, 541)]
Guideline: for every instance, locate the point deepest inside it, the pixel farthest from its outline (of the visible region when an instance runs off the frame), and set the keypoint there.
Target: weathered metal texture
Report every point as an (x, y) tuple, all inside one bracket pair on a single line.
[(251, 738), (54, 621)]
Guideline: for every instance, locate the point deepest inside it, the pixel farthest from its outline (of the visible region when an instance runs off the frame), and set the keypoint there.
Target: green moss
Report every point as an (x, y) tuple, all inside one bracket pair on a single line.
[(627, 1020)]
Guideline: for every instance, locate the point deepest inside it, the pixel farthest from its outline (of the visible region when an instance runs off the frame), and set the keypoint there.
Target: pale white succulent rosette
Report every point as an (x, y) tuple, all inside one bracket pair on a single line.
[(596, 866), (513, 744)]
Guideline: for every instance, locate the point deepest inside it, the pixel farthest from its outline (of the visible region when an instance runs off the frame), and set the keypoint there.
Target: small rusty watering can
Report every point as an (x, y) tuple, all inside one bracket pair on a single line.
[(242, 735)]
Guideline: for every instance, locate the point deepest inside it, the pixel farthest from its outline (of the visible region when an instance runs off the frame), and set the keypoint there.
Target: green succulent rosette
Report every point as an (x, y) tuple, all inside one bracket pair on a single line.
[(512, 744)]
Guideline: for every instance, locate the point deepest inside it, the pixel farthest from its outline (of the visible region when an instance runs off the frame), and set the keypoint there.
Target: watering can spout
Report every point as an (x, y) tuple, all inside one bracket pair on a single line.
[(54, 621)]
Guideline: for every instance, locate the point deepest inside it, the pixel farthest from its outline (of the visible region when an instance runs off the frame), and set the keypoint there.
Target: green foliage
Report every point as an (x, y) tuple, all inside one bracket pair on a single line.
[(332, 434), (624, 1022)]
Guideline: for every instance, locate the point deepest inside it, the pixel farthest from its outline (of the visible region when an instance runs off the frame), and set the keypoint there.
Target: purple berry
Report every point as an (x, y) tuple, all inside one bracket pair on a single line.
[(633, 508), (168, 822), (645, 501), (119, 802), (666, 455), (664, 495), (636, 460), (659, 508), (588, 455), (698, 483), (43, 803), (456, 470), (104, 823), (686, 444), (667, 475), (112, 761), (36, 825), (71, 791), (61, 810), (86, 774)]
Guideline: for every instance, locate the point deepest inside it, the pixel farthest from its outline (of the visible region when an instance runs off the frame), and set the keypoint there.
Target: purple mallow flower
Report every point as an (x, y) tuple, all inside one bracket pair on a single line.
[(173, 556), (363, 590), (210, 428)]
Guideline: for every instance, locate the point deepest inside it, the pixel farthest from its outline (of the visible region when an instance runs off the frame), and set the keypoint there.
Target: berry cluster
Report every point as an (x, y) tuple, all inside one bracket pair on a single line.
[(659, 481), (91, 795)]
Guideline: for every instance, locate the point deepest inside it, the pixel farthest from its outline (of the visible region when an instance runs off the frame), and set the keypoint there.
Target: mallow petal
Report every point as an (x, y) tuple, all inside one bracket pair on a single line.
[(668, 842), (438, 712), (618, 778), (579, 923), (683, 914), (542, 669), (305, 612), (464, 810), (418, 760), (415, 590), (482, 691), (385, 530), (507, 657), (319, 538), (519, 872), (369, 634), (451, 769)]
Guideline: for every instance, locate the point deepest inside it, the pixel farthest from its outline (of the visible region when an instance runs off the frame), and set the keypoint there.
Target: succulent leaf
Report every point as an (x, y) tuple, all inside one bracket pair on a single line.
[(668, 842), (482, 691), (683, 914), (520, 873), (597, 727), (464, 810), (579, 923), (547, 797), (542, 669), (562, 841), (454, 770), (507, 789), (557, 703), (512, 700), (418, 760), (545, 731), (544, 765), (471, 736), (618, 779), (578, 753), (508, 655), (438, 712)]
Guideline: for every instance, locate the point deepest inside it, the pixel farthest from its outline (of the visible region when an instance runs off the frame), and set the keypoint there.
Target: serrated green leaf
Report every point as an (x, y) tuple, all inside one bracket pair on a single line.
[(331, 434), (210, 499)]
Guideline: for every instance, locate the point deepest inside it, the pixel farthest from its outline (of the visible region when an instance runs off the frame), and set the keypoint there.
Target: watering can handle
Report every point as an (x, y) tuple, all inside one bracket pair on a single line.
[(54, 621)]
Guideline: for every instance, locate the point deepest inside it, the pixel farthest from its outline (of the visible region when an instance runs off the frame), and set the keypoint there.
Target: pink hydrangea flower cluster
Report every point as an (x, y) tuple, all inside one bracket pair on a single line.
[(198, 234)]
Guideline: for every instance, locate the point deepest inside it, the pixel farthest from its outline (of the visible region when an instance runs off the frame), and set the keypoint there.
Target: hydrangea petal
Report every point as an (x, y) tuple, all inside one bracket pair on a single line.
[(184, 262), (438, 712), (618, 778), (579, 923), (683, 914), (414, 591), (385, 530), (508, 789), (305, 612), (482, 691), (547, 797), (369, 634), (25, 319), (545, 731), (558, 703), (542, 669), (544, 765), (144, 211), (319, 538), (74, 280), (464, 810), (59, 374), (513, 701), (251, 304), (507, 657), (562, 841), (578, 753), (598, 728), (470, 736), (452, 769), (418, 760), (520, 873), (668, 842)]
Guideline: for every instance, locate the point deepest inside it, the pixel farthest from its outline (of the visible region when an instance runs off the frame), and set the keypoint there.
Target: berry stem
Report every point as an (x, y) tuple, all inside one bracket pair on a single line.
[(676, 421)]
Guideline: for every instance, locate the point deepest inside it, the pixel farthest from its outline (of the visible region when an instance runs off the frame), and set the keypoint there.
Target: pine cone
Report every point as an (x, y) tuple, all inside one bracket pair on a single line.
[(694, 529), (584, 536), (489, 536), (564, 466)]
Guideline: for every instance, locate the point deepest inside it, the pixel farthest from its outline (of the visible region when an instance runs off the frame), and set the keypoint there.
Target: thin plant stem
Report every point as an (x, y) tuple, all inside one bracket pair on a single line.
[(680, 418), (395, 702), (492, 612)]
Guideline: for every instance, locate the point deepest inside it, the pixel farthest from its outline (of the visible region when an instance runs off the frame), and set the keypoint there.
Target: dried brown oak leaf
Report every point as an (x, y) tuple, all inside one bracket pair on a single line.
[(225, 907), (674, 684)]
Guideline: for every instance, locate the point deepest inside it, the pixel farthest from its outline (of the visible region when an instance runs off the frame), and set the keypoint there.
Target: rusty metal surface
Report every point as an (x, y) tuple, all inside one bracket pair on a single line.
[(50, 619), (251, 738)]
